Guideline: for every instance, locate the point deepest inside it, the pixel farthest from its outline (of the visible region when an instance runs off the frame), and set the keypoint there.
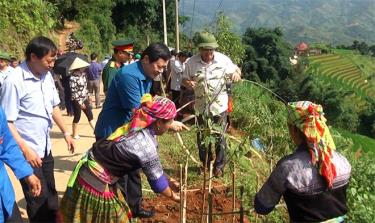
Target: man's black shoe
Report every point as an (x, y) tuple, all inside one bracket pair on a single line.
[(142, 213)]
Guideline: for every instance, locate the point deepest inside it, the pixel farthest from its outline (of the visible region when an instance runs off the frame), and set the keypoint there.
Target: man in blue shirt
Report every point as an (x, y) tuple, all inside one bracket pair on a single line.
[(93, 78), (11, 155), (30, 101), (124, 95)]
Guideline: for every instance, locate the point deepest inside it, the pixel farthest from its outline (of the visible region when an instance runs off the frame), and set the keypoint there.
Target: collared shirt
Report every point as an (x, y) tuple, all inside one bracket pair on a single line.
[(94, 71), (177, 69), (109, 71), (4, 74), (210, 80), (11, 155), (124, 94), (28, 101)]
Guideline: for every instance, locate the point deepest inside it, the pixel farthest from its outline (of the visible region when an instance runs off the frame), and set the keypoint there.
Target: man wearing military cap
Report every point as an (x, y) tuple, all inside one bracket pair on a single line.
[(5, 69), (207, 73), (122, 49)]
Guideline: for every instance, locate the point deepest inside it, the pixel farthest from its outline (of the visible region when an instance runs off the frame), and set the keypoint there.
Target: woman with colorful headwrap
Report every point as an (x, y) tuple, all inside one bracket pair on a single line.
[(92, 195), (313, 180)]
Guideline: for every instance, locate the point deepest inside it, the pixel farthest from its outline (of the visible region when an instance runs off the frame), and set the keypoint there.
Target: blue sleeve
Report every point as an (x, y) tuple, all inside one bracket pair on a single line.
[(129, 90), (160, 184), (10, 153)]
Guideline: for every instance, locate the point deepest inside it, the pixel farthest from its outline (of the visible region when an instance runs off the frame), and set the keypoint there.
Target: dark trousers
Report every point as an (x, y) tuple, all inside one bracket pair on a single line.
[(16, 215), (94, 87), (42, 208), (176, 97), (131, 187), (220, 145), (67, 94), (77, 111)]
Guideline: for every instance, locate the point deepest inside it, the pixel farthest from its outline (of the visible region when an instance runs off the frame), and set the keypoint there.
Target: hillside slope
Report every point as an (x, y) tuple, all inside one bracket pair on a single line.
[(334, 21)]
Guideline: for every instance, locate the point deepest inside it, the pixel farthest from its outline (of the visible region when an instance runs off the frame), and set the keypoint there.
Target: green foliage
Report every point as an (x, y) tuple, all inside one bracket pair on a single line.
[(361, 192), (19, 24), (229, 42)]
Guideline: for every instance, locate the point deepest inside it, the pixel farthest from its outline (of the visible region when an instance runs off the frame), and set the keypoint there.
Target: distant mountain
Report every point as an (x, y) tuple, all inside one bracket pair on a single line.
[(328, 21)]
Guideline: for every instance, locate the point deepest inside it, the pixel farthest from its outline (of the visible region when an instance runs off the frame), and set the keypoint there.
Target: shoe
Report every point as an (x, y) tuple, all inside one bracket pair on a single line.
[(142, 213), (76, 137)]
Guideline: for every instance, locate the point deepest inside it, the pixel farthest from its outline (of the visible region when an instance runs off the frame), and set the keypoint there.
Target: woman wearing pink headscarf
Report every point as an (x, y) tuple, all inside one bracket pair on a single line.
[(91, 195)]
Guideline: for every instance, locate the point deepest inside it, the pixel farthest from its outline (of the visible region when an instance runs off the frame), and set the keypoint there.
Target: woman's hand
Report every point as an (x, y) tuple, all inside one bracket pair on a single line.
[(174, 184), (175, 197), (178, 126)]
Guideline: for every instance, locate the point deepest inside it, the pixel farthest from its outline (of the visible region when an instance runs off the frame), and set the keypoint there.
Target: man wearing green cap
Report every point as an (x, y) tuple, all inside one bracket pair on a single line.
[(207, 73), (122, 49), (5, 69)]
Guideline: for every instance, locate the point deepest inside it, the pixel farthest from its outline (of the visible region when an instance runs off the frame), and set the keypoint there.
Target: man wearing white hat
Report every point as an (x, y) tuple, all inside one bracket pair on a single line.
[(30, 101)]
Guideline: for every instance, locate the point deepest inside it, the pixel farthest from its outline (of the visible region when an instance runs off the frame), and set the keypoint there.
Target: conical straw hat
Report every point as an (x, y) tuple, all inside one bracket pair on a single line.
[(78, 63)]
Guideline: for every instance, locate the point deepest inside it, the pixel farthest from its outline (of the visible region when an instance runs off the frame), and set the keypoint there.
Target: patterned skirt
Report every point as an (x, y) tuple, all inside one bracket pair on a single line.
[(83, 203)]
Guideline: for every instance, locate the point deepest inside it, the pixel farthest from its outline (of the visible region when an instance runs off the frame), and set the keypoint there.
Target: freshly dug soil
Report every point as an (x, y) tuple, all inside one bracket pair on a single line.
[(167, 211)]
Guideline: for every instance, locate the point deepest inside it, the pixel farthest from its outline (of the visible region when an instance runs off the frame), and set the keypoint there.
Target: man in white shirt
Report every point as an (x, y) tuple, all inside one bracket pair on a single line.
[(177, 69), (5, 69), (207, 73)]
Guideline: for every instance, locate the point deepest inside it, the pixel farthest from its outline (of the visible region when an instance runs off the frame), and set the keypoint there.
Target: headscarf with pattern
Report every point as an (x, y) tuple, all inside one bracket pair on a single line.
[(152, 108), (309, 118)]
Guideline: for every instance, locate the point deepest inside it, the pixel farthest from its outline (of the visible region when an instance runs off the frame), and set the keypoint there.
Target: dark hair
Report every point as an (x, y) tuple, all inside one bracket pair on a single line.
[(40, 46), (183, 54), (155, 51), (93, 56), (173, 52), (12, 59)]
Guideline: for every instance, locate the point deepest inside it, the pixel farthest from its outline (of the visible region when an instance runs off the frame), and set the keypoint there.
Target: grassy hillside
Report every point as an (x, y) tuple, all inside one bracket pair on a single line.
[(348, 70), (257, 114), (360, 142)]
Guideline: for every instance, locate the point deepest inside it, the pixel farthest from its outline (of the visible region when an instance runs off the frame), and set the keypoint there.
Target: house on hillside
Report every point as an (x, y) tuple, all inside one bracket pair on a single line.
[(302, 49)]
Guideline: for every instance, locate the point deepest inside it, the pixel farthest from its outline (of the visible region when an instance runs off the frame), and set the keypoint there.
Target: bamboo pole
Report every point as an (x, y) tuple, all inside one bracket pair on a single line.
[(185, 190), (241, 206), (181, 199), (234, 193), (186, 150), (204, 186), (209, 218)]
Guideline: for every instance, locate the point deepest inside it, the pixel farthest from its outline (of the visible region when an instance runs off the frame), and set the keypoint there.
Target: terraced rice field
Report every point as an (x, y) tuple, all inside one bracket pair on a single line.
[(340, 69)]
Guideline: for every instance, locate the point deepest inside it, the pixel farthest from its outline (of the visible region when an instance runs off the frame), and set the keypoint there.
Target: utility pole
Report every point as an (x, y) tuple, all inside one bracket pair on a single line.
[(165, 24), (177, 29)]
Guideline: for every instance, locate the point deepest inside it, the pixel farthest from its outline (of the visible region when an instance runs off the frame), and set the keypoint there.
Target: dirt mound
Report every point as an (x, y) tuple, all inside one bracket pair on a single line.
[(167, 211), (69, 27)]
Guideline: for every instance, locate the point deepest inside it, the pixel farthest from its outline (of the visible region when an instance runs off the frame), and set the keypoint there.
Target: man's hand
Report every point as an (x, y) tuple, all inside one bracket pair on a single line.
[(34, 185), (236, 77), (178, 126), (31, 156), (83, 106), (70, 142), (191, 84)]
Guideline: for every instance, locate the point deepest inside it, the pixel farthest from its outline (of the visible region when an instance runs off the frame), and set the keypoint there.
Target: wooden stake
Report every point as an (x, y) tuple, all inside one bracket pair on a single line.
[(204, 186), (234, 193), (209, 218), (181, 199), (185, 190), (241, 206)]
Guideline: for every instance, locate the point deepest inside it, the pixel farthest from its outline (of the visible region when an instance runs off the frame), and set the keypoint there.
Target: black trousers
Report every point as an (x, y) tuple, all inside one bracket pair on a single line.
[(16, 215), (131, 187), (77, 111), (220, 146), (42, 208), (176, 97)]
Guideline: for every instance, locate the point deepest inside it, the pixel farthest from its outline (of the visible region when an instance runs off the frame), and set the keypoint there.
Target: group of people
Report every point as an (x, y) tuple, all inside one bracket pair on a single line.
[(105, 185)]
